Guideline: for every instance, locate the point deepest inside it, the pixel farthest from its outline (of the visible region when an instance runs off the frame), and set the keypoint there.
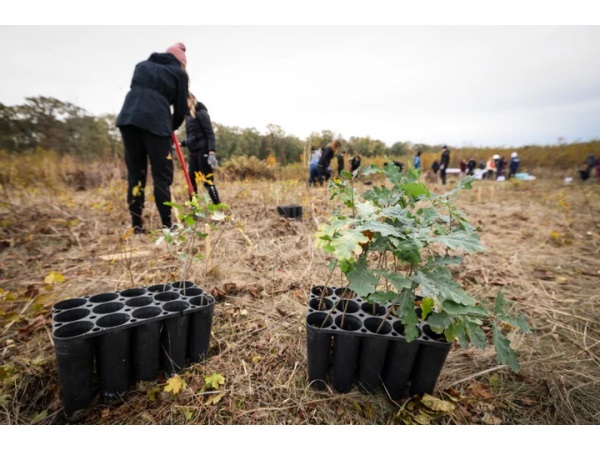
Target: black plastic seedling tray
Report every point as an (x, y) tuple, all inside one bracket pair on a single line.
[(127, 336), (365, 350), (290, 211)]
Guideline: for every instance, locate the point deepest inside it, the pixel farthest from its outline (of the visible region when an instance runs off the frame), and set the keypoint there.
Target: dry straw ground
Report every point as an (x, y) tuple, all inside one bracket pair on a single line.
[(542, 243)]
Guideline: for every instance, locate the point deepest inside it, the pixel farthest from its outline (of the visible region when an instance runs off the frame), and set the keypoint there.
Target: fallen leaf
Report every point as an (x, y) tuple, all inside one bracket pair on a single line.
[(39, 416), (490, 419), (175, 384), (423, 419), (53, 278), (478, 389), (214, 380), (188, 413), (435, 404), (215, 398)]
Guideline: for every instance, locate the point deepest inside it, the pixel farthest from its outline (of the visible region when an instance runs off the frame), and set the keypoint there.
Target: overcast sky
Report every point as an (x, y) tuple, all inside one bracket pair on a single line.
[(459, 85)]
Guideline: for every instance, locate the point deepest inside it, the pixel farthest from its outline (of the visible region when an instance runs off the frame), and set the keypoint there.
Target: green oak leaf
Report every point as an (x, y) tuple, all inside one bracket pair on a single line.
[(361, 280), (427, 305), (460, 240), (476, 335), (504, 353)]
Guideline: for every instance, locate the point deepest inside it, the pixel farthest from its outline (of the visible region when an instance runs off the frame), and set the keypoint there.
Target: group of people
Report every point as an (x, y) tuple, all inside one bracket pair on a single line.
[(320, 162), (156, 105), (496, 167)]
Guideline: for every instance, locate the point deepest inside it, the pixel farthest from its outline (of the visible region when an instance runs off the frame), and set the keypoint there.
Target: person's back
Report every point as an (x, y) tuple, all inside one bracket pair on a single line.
[(157, 83)]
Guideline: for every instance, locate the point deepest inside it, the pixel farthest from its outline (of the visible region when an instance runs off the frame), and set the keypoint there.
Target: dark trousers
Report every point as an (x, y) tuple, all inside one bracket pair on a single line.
[(141, 145), (443, 175), (198, 163)]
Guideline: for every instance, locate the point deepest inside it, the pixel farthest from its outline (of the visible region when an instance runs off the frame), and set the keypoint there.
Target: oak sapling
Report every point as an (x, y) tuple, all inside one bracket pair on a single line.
[(198, 217), (394, 245)]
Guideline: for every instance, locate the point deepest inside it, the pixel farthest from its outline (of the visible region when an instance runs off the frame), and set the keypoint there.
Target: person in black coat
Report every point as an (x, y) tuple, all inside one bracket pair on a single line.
[(444, 163), (354, 163), (200, 141), (327, 154), (471, 166), (146, 124), (340, 161)]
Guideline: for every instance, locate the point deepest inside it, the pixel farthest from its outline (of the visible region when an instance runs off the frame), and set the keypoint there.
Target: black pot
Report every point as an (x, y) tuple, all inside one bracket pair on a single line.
[(429, 362), (199, 327), (75, 359), (399, 363), (145, 346), (113, 358), (290, 211), (318, 344), (174, 338), (345, 353), (373, 354)]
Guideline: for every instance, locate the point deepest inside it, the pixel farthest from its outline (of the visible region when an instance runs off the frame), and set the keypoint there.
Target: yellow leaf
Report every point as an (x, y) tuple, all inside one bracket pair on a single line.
[(214, 399), (175, 384), (44, 299), (214, 380), (127, 234), (4, 401), (555, 235), (53, 278), (423, 419), (169, 156), (188, 414), (151, 393), (244, 312), (435, 404), (256, 359)]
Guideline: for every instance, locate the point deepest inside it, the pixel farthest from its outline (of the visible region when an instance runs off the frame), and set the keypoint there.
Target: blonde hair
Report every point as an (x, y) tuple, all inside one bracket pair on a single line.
[(193, 101)]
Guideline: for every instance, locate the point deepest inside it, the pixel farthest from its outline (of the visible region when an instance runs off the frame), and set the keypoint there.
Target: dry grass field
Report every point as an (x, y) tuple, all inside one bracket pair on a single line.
[(63, 237)]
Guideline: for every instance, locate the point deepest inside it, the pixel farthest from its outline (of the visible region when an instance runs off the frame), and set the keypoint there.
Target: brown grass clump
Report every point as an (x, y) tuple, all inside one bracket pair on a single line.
[(542, 243), (247, 167)]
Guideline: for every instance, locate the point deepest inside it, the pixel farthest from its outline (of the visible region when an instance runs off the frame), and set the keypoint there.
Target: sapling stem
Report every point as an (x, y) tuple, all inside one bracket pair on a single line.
[(383, 320), (323, 290)]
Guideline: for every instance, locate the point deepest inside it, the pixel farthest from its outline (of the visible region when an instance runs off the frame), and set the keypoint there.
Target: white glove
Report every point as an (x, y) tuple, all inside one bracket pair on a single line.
[(212, 160)]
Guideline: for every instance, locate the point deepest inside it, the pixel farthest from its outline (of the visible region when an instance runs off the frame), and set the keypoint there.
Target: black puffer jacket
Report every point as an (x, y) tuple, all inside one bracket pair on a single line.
[(326, 156), (200, 137), (157, 83)]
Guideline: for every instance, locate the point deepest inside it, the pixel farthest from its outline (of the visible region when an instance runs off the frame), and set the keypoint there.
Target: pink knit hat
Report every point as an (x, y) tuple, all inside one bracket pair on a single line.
[(178, 50)]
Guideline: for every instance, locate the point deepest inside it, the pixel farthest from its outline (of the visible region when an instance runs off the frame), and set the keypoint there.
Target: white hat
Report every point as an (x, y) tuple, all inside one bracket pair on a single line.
[(513, 155), (496, 157)]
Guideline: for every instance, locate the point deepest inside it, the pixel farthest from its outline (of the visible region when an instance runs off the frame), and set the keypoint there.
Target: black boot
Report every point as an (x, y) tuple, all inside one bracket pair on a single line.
[(214, 195)]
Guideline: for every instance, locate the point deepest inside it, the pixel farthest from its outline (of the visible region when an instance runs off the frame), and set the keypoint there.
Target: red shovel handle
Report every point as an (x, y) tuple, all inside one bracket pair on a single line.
[(183, 166)]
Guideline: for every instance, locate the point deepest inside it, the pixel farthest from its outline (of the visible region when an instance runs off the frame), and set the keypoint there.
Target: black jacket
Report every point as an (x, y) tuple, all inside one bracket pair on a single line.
[(157, 83), (326, 156), (200, 137), (445, 159)]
